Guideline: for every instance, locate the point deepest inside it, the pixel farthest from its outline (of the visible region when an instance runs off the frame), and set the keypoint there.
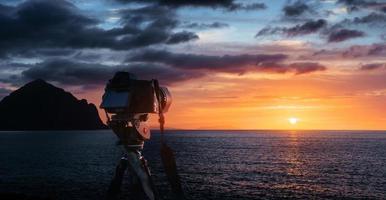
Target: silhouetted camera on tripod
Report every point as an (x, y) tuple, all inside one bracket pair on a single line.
[(127, 102)]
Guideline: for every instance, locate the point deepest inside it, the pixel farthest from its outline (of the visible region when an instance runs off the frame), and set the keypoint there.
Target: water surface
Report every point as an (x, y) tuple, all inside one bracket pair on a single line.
[(212, 164)]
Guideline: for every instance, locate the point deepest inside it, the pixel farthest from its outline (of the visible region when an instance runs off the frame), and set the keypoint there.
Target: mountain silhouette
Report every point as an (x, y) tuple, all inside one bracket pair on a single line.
[(39, 105)]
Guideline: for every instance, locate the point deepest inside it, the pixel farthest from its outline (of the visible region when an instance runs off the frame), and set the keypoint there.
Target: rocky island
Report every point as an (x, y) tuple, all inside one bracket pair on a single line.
[(39, 105)]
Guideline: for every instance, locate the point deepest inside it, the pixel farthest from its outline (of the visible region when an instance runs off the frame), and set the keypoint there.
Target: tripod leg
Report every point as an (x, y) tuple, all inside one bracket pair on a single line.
[(146, 168), (115, 185), (135, 163)]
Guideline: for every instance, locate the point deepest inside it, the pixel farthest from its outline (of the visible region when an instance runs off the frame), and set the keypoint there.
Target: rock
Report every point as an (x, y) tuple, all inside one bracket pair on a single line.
[(39, 105)]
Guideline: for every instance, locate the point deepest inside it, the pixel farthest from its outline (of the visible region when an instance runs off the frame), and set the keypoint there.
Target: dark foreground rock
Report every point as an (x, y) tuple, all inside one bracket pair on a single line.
[(39, 105)]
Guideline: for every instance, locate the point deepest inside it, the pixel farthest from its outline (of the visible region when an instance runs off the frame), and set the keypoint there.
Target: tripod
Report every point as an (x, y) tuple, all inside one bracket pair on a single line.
[(146, 184), (132, 162)]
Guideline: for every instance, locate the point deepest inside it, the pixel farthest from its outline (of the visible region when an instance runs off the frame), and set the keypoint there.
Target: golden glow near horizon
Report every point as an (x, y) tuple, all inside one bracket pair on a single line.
[(293, 120)]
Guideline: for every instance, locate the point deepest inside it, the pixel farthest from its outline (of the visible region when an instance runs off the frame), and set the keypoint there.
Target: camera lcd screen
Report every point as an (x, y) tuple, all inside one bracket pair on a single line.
[(113, 99)]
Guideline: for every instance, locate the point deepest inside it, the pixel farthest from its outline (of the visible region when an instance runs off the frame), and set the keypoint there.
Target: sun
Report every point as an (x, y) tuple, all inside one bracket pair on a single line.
[(293, 120)]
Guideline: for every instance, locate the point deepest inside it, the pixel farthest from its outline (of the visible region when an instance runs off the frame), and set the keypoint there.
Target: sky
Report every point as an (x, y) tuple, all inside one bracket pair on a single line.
[(229, 64)]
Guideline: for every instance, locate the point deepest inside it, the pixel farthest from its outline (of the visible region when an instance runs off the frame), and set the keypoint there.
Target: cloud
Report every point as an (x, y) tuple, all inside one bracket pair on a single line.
[(68, 72), (308, 27), (377, 50), (183, 36), (226, 63), (297, 68), (169, 68), (202, 26), (356, 5), (229, 5), (237, 64), (344, 34), (247, 7), (296, 9), (372, 66), (372, 18), (59, 24), (270, 31), (373, 51)]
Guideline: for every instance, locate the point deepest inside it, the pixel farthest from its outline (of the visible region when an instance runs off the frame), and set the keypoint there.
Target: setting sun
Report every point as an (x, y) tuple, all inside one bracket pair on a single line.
[(293, 120)]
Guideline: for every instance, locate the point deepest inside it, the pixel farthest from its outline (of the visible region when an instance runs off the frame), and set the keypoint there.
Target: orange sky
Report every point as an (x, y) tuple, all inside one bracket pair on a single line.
[(349, 100)]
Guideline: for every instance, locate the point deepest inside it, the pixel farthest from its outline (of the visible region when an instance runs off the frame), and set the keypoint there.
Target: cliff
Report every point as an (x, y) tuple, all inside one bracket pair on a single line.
[(39, 105)]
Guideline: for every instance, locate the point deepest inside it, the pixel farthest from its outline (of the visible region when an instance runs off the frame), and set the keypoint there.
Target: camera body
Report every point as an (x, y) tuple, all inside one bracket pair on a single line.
[(129, 101), (124, 94)]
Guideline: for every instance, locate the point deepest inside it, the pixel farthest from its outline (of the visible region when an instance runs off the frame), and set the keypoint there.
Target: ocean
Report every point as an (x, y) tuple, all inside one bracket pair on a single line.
[(224, 165)]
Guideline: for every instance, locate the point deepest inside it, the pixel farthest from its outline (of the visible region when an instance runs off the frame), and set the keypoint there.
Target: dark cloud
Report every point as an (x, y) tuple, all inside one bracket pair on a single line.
[(373, 66), (306, 67), (270, 31), (247, 7), (211, 3), (227, 63), (180, 3), (38, 24), (202, 26), (296, 9), (344, 34), (183, 36), (372, 18), (308, 27), (68, 72), (373, 50), (238, 64), (229, 5), (377, 50), (169, 67)]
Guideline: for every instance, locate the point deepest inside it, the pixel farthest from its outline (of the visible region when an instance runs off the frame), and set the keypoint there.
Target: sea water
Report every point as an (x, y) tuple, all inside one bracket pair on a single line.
[(212, 164)]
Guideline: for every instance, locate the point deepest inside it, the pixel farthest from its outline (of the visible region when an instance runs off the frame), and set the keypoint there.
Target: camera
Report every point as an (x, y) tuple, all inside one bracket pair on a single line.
[(129, 101), (125, 95)]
